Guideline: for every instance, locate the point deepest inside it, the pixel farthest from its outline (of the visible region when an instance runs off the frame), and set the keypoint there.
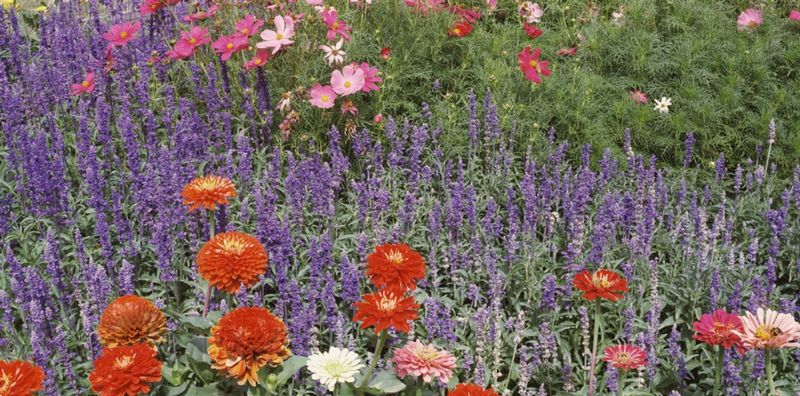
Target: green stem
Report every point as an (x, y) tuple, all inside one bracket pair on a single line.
[(419, 386), (211, 230), (768, 361), (621, 382), (378, 349), (718, 370), (595, 335)]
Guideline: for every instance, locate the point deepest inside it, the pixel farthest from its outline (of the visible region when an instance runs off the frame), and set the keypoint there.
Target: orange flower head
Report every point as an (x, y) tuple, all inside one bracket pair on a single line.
[(208, 192), (471, 390), (395, 266), (131, 320), (20, 378), (386, 309), (603, 284), (245, 340), (232, 259), (125, 371)]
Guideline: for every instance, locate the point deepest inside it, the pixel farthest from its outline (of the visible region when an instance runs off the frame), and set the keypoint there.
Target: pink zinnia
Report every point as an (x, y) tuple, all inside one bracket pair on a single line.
[(261, 58), (420, 360), (120, 34), (202, 15), (322, 97), (189, 41), (718, 328), (531, 66), (371, 78), (768, 329), (85, 86), (625, 357), (229, 45), (638, 96), (749, 19), (348, 81), (335, 26), (794, 15), (248, 26), (280, 37)]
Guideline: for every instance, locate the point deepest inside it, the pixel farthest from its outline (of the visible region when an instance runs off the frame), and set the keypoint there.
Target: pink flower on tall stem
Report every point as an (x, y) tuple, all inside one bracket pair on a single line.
[(226, 46), (202, 15), (335, 25), (248, 26), (421, 360), (638, 97), (532, 31), (261, 58), (749, 19), (768, 329), (371, 79), (85, 86), (280, 37), (719, 328), (531, 66), (348, 81), (119, 35), (188, 43), (625, 357), (794, 15), (322, 96), (150, 7)]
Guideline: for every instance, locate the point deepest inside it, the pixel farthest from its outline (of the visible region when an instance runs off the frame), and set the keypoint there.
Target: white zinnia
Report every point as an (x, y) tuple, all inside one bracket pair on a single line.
[(663, 104), (334, 53), (335, 366)]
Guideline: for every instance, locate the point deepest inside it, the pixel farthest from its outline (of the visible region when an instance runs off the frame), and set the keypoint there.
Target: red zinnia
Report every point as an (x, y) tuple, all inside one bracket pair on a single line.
[(460, 29), (232, 259), (125, 371), (625, 357), (601, 284), (395, 266), (532, 31), (19, 378), (207, 192), (471, 390), (718, 328), (386, 309)]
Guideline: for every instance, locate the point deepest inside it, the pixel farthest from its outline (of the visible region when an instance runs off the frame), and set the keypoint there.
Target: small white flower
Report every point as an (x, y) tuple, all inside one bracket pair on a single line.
[(334, 53), (334, 367), (618, 17), (663, 104)]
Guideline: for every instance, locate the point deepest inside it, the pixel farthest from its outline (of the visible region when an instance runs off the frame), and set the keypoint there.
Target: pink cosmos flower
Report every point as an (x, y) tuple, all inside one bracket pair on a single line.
[(229, 45), (189, 41), (349, 107), (567, 51), (532, 31), (335, 26), (314, 2), (749, 20), (424, 7), (371, 79), (769, 329), (150, 7), (718, 328), (531, 12), (638, 96), (420, 360), (625, 357), (348, 81), (120, 34), (248, 26), (322, 97), (531, 66), (202, 15), (469, 15), (378, 118), (85, 86), (794, 15), (281, 36), (261, 58)]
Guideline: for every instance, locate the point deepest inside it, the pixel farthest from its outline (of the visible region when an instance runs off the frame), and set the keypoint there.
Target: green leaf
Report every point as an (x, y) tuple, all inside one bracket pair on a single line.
[(385, 382), (289, 367), (178, 390), (208, 390), (197, 350)]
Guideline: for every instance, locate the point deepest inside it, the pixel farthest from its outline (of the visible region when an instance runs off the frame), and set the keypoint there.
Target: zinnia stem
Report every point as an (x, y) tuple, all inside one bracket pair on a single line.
[(211, 230), (378, 349), (621, 382), (595, 335), (419, 386), (718, 370), (768, 361)]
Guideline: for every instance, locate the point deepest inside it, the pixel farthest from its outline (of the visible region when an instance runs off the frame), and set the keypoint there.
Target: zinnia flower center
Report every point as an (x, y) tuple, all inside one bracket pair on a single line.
[(600, 281), (428, 354), (258, 61), (766, 332), (5, 380), (278, 36), (722, 328), (395, 257), (123, 34), (123, 362), (233, 246), (336, 369), (347, 84), (456, 31), (622, 358), (387, 304)]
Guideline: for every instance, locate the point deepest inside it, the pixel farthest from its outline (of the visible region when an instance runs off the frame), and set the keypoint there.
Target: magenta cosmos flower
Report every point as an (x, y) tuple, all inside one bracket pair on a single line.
[(420, 360), (335, 25), (202, 15), (120, 34), (371, 79), (794, 15), (85, 86), (718, 328), (531, 66), (749, 20), (322, 96), (768, 329), (348, 81), (280, 37), (188, 43), (625, 357), (248, 26), (226, 46), (261, 58), (638, 96)]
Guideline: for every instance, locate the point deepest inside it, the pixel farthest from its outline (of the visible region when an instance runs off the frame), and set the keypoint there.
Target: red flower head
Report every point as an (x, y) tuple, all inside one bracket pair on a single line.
[(395, 266), (119, 35), (386, 53), (601, 284), (718, 328), (85, 86), (460, 29), (131, 320), (531, 66), (232, 259), (471, 390), (125, 371), (18, 378), (386, 309), (532, 31), (625, 357), (207, 192)]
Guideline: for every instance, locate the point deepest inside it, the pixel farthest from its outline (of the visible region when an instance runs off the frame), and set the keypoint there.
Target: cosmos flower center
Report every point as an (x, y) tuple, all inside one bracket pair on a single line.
[(258, 61), (347, 84), (192, 40), (245, 30), (387, 304), (85, 84), (336, 369), (325, 98), (123, 34), (395, 257), (457, 30), (229, 46), (335, 25), (601, 281), (123, 362), (278, 36), (766, 332), (533, 63), (233, 245)]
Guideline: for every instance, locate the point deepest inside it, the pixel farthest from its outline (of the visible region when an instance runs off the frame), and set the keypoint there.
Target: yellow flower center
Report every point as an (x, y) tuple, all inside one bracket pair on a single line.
[(335, 25), (722, 328), (534, 64), (123, 34), (278, 36), (229, 46), (347, 84), (124, 361), (766, 332), (427, 354), (325, 98), (622, 358), (456, 31), (336, 369), (387, 304), (85, 84), (192, 40), (5, 380), (257, 61), (395, 257), (245, 30), (233, 245), (601, 281)]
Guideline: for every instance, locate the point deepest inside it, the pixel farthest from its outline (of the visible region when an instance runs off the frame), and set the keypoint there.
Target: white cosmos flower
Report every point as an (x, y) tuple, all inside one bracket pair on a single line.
[(663, 104), (334, 53), (334, 367)]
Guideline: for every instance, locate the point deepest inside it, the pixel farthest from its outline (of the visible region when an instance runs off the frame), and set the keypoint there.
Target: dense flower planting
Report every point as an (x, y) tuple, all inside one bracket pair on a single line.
[(162, 236)]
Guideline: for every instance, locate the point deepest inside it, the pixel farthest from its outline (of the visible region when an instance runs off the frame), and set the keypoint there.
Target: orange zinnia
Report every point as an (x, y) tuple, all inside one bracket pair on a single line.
[(131, 320), (19, 378), (601, 284), (245, 340), (471, 390), (386, 309), (395, 266), (208, 192), (125, 371), (232, 259)]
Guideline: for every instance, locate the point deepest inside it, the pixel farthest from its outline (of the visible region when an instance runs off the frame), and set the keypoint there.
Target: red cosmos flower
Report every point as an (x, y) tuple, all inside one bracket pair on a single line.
[(125, 371), (718, 328), (395, 266), (386, 309), (532, 31), (19, 378), (471, 390), (386, 53), (460, 29), (601, 284), (85, 86), (625, 357), (531, 66)]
